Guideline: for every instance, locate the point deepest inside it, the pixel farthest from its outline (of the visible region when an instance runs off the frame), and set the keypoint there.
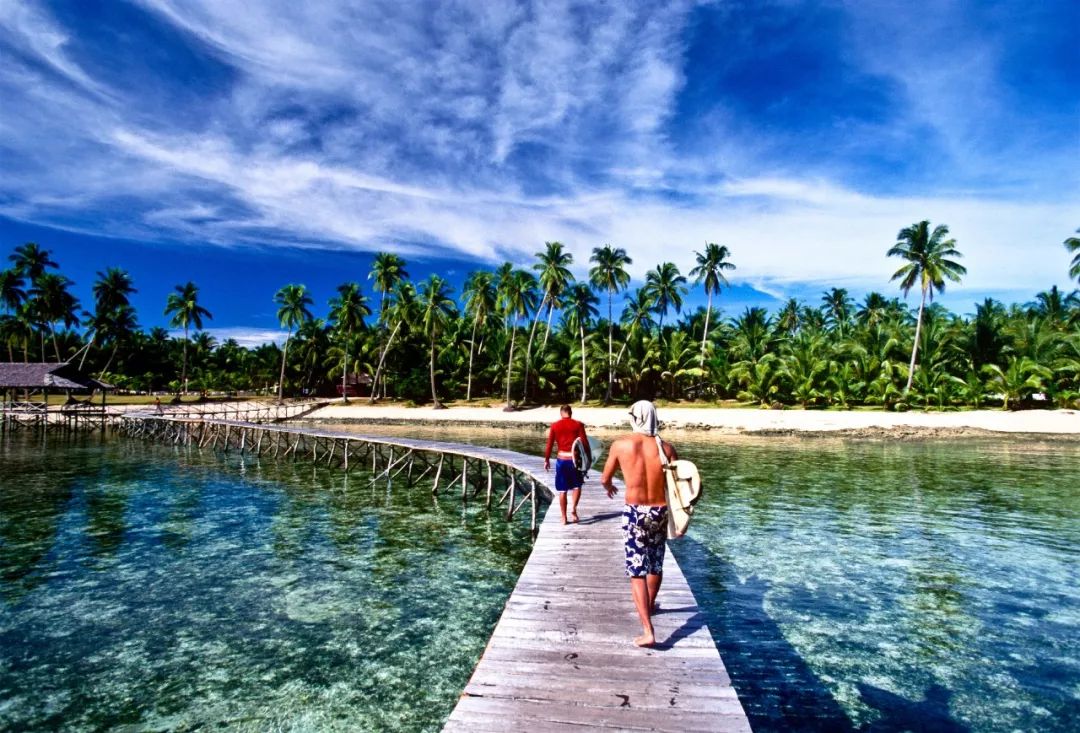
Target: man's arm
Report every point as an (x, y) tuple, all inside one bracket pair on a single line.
[(547, 450), (670, 452), (609, 471)]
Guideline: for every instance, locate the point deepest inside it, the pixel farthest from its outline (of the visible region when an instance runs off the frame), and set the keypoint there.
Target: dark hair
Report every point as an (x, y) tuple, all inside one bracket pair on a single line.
[(567, 410)]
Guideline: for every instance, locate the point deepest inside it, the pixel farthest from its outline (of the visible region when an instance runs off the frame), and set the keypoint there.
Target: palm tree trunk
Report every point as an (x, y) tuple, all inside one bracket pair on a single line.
[(281, 379), (584, 377), (551, 310), (183, 367), (55, 345), (472, 344), (915, 346), (705, 337), (116, 347), (431, 371), (87, 351), (382, 360), (510, 365), (345, 373), (528, 349), (610, 336)]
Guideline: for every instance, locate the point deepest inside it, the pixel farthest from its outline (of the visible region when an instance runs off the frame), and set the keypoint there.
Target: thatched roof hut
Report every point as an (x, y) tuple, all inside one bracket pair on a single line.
[(51, 376)]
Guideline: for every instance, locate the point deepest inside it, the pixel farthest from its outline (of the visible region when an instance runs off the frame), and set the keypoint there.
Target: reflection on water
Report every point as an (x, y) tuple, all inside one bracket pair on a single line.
[(150, 589), (885, 586)]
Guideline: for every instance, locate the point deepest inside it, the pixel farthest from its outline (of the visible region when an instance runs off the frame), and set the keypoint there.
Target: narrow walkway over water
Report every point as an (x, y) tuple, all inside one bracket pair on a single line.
[(562, 656)]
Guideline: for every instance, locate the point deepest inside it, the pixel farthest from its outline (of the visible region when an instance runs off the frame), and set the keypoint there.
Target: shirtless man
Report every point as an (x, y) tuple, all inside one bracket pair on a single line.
[(568, 479), (645, 515)]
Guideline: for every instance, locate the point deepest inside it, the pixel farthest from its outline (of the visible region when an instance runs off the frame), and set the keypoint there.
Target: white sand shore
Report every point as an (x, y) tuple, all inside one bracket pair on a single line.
[(1039, 422)]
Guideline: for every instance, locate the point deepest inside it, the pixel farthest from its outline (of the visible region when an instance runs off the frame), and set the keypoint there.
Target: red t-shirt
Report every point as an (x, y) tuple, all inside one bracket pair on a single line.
[(563, 433)]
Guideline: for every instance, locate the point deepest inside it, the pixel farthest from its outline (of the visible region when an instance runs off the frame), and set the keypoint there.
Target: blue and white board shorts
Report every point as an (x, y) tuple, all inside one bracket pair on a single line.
[(645, 533), (567, 477)]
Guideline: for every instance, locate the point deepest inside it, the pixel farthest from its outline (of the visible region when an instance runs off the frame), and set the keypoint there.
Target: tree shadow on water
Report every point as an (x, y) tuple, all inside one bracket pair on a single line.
[(778, 689)]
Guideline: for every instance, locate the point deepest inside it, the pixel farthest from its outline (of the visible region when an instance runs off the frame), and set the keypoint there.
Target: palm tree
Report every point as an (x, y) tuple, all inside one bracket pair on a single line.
[(387, 270), (479, 294), (580, 304), (31, 261), (293, 302), (636, 319), (609, 273), (1072, 244), (789, 317), (928, 265), (517, 298), (667, 287), (183, 306), (836, 306), (117, 328), (554, 277), (401, 311), (438, 308), (53, 302), (873, 309), (111, 291), (348, 310), (12, 294), (710, 270)]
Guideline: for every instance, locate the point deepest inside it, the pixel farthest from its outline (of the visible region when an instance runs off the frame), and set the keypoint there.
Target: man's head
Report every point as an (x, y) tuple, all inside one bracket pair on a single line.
[(566, 411), (643, 418)]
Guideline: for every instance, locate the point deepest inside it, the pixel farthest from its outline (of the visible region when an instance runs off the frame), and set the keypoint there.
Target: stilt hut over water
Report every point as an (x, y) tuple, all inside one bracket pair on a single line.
[(44, 379)]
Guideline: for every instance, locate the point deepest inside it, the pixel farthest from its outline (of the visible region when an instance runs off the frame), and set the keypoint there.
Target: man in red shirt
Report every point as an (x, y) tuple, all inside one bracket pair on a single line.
[(567, 478)]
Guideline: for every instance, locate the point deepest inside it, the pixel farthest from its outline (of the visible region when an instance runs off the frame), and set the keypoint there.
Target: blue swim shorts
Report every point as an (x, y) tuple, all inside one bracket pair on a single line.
[(567, 477), (645, 533)]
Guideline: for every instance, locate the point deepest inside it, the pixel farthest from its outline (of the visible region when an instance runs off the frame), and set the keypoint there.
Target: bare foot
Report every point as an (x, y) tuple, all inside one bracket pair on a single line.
[(656, 607), (564, 519), (573, 517), (645, 640)]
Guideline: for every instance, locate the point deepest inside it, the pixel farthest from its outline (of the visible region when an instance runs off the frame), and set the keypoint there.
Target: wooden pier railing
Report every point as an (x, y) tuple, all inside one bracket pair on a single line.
[(479, 474), (87, 416)]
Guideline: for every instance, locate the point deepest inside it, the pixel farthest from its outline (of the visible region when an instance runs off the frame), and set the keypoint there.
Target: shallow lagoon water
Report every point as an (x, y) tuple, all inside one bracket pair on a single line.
[(149, 589), (869, 585)]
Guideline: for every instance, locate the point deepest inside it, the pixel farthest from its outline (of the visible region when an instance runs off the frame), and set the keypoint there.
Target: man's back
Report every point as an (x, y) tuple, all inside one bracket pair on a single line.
[(637, 457)]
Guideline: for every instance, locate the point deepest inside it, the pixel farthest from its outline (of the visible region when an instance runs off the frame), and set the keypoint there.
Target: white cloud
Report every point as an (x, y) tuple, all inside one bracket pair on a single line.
[(246, 337), (471, 129)]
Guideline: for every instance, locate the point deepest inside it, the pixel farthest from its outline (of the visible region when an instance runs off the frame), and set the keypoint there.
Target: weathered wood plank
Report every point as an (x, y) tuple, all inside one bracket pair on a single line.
[(561, 656)]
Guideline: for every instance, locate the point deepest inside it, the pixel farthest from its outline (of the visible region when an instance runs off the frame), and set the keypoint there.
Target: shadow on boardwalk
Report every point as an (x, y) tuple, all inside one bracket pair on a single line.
[(778, 689)]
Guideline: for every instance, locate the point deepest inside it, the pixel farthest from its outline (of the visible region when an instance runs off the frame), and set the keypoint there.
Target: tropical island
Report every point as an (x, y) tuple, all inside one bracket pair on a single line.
[(534, 335)]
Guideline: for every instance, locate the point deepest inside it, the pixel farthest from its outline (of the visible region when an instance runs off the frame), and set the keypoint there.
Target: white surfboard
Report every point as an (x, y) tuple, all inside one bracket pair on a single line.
[(582, 460)]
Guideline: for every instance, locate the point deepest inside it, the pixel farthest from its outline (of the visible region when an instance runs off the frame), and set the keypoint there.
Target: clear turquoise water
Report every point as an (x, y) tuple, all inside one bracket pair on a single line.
[(150, 589), (884, 585)]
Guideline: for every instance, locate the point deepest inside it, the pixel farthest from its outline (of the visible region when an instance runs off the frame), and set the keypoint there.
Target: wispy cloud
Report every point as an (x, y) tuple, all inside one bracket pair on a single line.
[(481, 130)]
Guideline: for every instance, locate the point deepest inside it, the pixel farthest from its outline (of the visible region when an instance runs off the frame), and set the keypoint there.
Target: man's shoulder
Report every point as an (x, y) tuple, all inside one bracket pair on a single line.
[(628, 440)]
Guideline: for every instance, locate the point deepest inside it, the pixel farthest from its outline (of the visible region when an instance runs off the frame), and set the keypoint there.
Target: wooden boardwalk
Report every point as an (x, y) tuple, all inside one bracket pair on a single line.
[(561, 657)]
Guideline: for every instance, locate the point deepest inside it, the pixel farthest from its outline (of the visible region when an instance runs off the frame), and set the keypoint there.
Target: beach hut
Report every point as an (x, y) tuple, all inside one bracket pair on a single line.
[(42, 379), (356, 385)]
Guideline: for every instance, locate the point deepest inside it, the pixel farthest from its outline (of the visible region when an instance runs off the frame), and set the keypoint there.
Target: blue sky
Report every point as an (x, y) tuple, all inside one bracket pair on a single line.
[(248, 145)]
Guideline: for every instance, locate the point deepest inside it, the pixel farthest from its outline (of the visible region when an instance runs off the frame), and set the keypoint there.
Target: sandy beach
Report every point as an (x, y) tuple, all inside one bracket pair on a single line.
[(915, 424)]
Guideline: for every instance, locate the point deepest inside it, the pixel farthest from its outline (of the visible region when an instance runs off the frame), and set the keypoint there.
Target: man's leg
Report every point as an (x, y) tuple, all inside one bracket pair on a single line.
[(640, 592), (575, 497), (652, 583), (562, 505)]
